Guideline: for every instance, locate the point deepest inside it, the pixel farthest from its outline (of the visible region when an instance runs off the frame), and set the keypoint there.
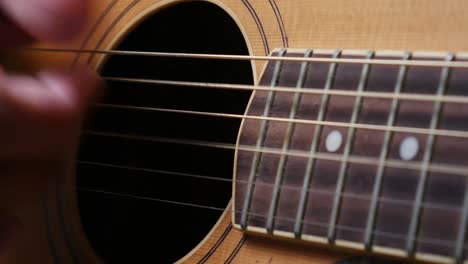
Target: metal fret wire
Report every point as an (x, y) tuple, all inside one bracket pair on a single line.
[(287, 141), (444, 243), (415, 130), (346, 152), (422, 63), (370, 225), (313, 149), (422, 182), (260, 142), (402, 202), (410, 165), (309, 90), (459, 249)]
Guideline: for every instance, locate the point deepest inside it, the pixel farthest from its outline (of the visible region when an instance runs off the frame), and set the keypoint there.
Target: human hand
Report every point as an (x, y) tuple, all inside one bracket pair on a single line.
[(40, 116)]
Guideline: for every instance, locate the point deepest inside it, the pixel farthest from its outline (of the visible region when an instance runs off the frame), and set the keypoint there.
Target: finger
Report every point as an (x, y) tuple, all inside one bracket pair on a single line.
[(48, 20), (43, 115), (51, 93)]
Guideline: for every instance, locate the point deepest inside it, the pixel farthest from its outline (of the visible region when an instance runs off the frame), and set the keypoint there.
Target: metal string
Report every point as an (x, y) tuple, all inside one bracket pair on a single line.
[(305, 90), (402, 202), (453, 99), (415, 130), (410, 165), (440, 242), (399, 62)]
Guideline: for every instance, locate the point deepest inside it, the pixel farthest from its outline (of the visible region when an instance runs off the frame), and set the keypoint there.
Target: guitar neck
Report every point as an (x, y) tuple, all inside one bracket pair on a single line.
[(374, 158)]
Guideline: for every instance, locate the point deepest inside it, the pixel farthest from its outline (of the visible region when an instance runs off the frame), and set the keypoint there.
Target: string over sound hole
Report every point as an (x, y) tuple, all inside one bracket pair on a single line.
[(133, 191)]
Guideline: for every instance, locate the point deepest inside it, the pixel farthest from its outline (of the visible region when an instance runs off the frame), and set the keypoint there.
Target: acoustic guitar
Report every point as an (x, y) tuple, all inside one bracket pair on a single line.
[(262, 131)]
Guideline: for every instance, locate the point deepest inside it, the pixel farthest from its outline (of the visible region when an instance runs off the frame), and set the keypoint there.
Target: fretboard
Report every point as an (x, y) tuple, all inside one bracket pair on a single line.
[(368, 156)]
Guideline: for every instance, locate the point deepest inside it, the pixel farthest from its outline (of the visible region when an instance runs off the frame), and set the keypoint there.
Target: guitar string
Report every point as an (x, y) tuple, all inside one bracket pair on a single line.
[(355, 61), (441, 242), (403, 202), (365, 126), (401, 236), (374, 95), (414, 130), (306, 90), (399, 62), (427, 99), (410, 165)]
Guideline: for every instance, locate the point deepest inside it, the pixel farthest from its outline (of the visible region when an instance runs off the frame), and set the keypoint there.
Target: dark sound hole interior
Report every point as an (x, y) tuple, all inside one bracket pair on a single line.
[(131, 230)]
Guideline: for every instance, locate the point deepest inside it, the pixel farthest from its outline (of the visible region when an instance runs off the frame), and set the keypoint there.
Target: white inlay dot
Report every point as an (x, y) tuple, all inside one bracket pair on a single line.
[(334, 140), (409, 148)]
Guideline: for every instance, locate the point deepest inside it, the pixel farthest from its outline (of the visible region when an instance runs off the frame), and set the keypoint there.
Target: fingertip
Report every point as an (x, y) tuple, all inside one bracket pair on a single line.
[(49, 20)]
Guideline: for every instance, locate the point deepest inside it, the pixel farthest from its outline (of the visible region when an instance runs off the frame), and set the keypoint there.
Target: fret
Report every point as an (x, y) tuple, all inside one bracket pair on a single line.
[(260, 141), (287, 141), (313, 148), (347, 150), (383, 156), (459, 246), (422, 182), (458, 87)]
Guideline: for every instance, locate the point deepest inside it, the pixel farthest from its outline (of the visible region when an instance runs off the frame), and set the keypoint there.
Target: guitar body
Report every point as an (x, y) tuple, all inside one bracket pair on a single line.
[(54, 231)]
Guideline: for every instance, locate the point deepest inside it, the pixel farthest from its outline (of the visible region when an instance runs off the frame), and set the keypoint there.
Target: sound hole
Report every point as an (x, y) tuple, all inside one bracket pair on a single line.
[(124, 229)]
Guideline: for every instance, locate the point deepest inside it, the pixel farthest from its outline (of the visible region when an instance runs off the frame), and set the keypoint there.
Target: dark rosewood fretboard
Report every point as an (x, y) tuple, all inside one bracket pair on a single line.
[(386, 174)]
